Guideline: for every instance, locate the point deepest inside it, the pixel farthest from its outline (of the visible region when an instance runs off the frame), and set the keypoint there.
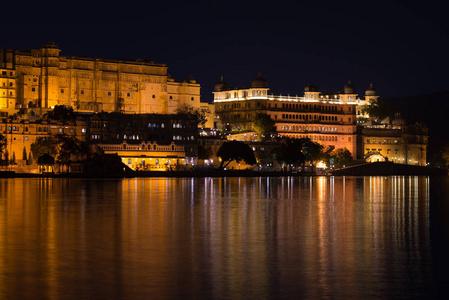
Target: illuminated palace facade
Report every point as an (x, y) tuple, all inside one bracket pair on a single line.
[(396, 141), (327, 118), (42, 78), (332, 119)]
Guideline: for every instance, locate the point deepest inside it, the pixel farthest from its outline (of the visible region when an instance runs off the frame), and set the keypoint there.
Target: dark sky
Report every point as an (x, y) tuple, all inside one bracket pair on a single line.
[(399, 46)]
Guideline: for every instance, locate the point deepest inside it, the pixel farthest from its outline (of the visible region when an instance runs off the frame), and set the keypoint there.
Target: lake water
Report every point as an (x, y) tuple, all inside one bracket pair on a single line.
[(224, 238)]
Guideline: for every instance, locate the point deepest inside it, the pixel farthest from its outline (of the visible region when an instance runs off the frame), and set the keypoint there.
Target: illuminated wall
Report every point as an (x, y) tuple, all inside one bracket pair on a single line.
[(329, 119), (43, 78), (21, 134), (149, 156), (403, 144)]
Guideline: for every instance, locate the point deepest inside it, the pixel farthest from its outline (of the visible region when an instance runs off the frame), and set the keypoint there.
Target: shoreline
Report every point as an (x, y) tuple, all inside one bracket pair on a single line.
[(373, 169)]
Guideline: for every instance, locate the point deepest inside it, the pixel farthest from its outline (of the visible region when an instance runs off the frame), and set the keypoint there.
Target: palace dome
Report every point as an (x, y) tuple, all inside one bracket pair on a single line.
[(311, 88), (371, 91), (221, 86), (349, 88), (259, 82)]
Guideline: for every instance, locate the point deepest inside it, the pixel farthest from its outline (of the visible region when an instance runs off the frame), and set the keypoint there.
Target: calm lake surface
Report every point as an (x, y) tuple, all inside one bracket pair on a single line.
[(224, 238)]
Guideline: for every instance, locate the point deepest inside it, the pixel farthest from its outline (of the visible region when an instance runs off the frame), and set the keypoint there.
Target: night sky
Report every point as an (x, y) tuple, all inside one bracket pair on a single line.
[(400, 47)]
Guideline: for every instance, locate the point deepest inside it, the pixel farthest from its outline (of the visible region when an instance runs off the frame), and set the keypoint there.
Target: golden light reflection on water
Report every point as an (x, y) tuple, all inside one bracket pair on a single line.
[(308, 237)]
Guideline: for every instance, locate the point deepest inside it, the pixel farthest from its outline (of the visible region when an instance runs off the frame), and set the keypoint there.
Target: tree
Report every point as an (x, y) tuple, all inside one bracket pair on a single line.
[(204, 152), (30, 159), (235, 150), (298, 151), (44, 145), (289, 152), (61, 113), (24, 154), (341, 156), (5, 162), (200, 114), (312, 151), (379, 109), (264, 126), (13, 158), (70, 147), (2, 145)]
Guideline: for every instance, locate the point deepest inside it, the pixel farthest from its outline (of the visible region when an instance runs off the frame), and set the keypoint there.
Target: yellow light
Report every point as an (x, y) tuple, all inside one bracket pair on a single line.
[(321, 165)]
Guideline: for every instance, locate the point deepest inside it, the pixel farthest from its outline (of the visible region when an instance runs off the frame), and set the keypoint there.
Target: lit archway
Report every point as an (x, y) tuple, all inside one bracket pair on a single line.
[(374, 156)]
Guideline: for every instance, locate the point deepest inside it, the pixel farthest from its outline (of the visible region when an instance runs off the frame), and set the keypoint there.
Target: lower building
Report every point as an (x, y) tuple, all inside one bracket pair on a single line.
[(20, 134), (150, 156), (395, 141), (143, 141)]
